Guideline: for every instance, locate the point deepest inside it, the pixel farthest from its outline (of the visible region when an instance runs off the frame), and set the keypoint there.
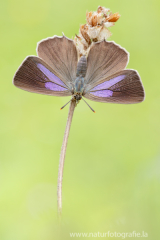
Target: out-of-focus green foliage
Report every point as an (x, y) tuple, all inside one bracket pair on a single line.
[(112, 170)]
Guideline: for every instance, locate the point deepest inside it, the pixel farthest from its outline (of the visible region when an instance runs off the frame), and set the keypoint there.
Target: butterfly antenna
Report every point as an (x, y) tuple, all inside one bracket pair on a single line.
[(65, 104), (89, 106)]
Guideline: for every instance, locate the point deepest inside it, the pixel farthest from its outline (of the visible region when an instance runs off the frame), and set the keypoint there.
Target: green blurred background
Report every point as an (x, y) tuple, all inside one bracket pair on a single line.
[(111, 177)]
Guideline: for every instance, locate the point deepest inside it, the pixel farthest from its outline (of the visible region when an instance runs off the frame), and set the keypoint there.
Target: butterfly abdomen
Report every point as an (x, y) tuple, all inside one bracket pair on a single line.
[(82, 67)]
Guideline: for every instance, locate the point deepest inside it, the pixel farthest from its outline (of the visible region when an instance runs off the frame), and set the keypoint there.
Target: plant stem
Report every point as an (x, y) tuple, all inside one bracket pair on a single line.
[(62, 155)]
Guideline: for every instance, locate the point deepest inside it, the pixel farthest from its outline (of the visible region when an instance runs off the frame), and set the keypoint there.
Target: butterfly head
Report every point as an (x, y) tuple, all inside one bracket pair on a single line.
[(77, 97)]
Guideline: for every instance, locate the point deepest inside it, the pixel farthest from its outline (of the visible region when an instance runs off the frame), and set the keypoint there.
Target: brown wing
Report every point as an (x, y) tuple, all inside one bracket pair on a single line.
[(34, 75), (104, 59), (123, 87), (61, 55)]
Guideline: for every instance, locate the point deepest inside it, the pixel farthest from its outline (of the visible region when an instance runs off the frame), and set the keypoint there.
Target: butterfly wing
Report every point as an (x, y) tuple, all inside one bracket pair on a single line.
[(61, 55), (104, 59), (34, 75), (122, 87)]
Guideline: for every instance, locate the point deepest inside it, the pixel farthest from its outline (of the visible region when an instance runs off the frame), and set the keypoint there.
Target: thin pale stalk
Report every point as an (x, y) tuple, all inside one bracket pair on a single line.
[(62, 155)]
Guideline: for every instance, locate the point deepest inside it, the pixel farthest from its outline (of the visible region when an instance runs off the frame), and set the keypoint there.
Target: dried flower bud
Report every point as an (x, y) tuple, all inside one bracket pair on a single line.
[(99, 10), (94, 32), (80, 46), (94, 20), (100, 18), (113, 18), (103, 10), (83, 30), (89, 17), (109, 24), (104, 34)]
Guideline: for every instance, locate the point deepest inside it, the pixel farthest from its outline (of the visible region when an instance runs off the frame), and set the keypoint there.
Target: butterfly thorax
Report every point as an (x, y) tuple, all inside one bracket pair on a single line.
[(79, 81), (78, 88)]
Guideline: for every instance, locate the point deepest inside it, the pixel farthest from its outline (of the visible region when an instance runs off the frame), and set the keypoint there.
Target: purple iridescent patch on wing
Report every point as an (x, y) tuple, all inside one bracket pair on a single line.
[(109, 83), (50, 75), (103, 93), (54, 87)]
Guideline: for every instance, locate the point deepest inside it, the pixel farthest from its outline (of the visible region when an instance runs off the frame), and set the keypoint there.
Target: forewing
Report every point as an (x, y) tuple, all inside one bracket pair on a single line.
[(34, 75), (60, 53), (104, 59), (123, 87)]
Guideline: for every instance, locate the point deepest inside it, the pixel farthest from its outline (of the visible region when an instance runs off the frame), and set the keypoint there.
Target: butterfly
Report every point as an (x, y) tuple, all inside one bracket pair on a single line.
[(101, 76)]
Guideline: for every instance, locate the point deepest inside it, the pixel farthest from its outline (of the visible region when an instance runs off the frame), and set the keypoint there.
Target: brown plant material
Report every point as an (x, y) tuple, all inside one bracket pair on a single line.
[(96, 29), (83, 30), (113, 18), (89, 17), (94, 20), (103, 10)]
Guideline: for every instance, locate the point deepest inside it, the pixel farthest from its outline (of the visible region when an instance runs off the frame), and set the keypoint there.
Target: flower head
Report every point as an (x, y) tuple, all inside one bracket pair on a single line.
[(96, 29)]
